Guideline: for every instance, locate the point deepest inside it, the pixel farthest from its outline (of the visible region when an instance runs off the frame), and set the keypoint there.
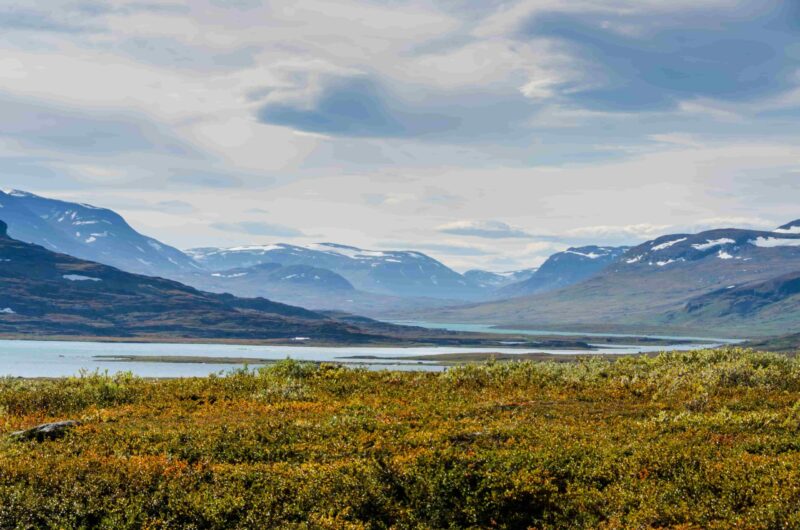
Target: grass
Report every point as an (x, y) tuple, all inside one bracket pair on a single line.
[(706, 439)]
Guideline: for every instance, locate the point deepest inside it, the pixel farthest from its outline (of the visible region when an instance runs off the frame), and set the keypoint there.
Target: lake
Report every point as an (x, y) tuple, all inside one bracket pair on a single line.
[(23, 358)]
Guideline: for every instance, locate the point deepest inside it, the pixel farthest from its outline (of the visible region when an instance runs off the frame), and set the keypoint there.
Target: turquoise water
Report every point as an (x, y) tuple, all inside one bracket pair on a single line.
[(57, 359), (490, 328)]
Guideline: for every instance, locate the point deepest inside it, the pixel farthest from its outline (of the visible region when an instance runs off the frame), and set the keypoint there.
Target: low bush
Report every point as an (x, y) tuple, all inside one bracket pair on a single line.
[(706, 439)]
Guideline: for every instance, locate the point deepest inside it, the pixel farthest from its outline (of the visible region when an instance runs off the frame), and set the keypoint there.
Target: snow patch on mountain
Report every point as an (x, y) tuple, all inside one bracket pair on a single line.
[(80, 278), (709, 244), (590, 255), (772, 242), (668, 244)]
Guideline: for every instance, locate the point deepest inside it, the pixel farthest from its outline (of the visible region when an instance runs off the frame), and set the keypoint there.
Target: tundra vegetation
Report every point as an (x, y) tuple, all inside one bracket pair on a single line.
[(705, 439)]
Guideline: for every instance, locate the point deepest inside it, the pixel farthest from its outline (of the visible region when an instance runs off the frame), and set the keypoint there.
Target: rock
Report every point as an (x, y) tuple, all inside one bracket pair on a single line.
[(46, 431)]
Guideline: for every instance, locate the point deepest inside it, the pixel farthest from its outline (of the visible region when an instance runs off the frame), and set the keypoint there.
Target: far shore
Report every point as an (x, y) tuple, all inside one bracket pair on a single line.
[(442, 359)]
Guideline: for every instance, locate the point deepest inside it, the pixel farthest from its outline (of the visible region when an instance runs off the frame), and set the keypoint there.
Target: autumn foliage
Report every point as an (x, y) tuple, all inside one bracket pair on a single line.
[(707, 439)]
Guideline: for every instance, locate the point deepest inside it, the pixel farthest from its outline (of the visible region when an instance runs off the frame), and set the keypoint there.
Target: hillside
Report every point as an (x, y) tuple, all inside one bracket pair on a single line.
[(91, 233), (45, 293), (649, 282), (563, 269), (771, 306)]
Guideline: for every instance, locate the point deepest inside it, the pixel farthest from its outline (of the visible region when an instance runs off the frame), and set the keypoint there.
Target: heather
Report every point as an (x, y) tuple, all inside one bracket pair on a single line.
[(705, 439)]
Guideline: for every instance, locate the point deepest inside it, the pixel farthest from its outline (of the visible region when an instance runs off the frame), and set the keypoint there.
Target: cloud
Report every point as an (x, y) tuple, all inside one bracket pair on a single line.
[(172, 53), (258, 228), (659, 61), (365, 107), (484, 229), (753, 223), (31, 20), (442, 248), (356, 107), (205, 178), (176, 207), (644, 231), (627, 232), (49, 126)]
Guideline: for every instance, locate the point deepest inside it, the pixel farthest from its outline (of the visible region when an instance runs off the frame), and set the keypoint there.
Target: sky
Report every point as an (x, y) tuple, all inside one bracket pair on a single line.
[(486, 133)]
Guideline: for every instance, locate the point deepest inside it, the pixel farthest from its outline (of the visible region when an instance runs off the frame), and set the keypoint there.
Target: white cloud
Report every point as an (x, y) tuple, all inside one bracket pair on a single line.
[(484, 229), (606, 232), (198, 74)]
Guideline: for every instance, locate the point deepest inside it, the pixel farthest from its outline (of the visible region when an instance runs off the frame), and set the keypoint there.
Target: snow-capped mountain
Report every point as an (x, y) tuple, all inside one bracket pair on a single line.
[(725, 244), (790, 228), (565, 268), (88, 232), (309, 287), (679, 282), (397, 273), (496, 280), (277, 276)]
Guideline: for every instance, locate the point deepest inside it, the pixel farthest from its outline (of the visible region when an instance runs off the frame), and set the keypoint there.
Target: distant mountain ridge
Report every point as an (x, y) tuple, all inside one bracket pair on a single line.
[(47, 293), (396, 273), (88, 232), (497, 280), (661, 284), (563, 269), (381, 279)]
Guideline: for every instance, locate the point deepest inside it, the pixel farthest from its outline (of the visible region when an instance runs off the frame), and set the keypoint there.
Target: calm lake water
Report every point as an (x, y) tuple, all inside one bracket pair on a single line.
[(57, 359)]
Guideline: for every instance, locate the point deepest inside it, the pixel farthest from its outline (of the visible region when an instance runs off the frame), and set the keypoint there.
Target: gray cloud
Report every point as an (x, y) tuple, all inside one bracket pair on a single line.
[(167, 52), (483, 229), (365, 107), (44, 125), (258, 228), (444, 248), (16, 18)]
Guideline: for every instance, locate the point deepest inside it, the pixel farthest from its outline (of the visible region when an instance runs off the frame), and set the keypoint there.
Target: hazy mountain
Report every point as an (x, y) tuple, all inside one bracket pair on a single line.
[(565, 268), (291, 276), (44, 292), (650, 282), (396, 273), (90, 233), (496, 280)]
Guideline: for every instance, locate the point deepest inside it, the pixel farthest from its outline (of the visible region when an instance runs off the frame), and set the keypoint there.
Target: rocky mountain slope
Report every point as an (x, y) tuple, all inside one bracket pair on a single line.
[(88, 232), (771, 306), (563, 269)]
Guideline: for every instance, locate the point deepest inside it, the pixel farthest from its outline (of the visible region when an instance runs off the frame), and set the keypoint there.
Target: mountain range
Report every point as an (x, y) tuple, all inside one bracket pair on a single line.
[(563, 269), (324, 275), (680, 282), (396, 273), (48, 294), (91, 233), (734, 281)]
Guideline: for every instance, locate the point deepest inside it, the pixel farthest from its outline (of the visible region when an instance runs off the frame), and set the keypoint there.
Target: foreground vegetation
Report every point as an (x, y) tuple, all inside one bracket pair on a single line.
[(707, 439)]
